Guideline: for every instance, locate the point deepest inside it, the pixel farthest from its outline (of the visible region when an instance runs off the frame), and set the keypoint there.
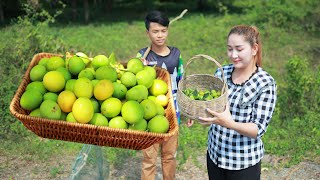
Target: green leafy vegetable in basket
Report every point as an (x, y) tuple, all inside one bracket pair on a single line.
[(202, 95)]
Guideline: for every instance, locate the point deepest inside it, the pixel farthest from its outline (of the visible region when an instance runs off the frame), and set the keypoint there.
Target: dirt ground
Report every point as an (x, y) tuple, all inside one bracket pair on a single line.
[(60, 168)]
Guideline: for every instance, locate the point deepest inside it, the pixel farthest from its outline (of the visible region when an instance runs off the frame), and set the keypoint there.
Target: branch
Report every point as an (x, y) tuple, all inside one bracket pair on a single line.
[(180, 16)]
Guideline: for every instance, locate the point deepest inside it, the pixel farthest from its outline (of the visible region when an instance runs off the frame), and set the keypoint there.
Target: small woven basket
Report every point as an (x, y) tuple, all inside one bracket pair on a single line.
[(194, 109), (87, 133)]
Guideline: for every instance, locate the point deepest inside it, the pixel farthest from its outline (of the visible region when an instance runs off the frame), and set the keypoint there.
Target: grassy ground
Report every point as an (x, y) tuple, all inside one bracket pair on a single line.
[(194, 34)]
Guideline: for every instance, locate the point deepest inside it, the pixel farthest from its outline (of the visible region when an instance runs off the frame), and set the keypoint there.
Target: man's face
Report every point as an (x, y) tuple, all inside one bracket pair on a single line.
[(157, 34)]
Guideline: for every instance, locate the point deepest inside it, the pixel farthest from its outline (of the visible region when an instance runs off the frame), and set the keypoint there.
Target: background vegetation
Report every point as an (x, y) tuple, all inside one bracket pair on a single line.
[(289, 32)]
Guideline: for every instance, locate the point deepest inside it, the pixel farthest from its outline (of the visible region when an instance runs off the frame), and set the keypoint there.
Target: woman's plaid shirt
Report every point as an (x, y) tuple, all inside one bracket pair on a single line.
[(253, 101)]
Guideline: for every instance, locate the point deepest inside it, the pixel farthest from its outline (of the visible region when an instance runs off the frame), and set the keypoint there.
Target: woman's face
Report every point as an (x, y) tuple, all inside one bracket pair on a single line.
[(240, 52), (157, 34)]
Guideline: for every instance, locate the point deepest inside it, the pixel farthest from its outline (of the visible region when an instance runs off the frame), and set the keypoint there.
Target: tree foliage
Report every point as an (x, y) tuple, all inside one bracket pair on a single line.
[(279, 13), (288, 14)]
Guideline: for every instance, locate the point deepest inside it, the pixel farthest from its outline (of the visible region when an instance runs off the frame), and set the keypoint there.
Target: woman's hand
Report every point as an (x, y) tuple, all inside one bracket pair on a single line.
[(223, 119)]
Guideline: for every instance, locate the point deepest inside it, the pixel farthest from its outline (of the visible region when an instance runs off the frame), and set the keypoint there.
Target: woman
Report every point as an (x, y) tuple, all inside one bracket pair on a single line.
[(235, 148)]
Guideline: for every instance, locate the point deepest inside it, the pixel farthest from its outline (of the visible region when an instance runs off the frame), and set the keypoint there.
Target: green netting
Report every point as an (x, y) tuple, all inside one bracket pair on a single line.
[(102, 163), (90, 164)]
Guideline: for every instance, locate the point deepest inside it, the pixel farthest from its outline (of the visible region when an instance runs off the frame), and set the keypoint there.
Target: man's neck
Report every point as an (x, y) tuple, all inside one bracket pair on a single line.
[(160, 50)]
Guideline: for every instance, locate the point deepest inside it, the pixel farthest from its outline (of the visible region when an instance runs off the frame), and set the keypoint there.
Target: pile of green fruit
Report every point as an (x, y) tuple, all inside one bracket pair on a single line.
[(98, 91), (202, 95)]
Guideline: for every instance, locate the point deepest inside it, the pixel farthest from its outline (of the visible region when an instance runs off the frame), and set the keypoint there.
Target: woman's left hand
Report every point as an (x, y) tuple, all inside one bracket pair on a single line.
[(223, 119)]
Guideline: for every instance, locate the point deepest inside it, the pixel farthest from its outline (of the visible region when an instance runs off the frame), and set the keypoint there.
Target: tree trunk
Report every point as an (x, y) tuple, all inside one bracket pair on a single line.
[(1, 14), (74, 9), (109, 5), (201, 5), (86, 11), (94, 3)]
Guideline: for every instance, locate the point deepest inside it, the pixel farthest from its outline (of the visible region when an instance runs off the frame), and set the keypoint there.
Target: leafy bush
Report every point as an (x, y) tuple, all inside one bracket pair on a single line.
[(301, 93), (26, 38), (296, 114)]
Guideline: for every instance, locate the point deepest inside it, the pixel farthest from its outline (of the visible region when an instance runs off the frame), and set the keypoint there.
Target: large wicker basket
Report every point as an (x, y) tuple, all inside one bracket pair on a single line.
[(194, 109), (87, 133)]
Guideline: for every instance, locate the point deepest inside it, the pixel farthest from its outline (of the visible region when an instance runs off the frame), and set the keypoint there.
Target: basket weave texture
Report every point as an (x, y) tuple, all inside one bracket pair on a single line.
[(194, 109), (87, 133)]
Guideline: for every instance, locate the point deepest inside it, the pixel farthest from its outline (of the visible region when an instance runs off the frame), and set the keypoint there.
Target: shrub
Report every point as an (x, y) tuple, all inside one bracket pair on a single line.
[(26, 38), (296, 114), (301, 93)]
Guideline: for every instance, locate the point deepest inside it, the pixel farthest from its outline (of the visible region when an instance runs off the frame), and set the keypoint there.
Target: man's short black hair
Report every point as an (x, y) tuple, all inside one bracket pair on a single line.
[(156, 17)]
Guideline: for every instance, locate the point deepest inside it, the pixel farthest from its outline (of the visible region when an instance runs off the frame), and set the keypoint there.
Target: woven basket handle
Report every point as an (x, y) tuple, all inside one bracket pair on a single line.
[(211, 59)]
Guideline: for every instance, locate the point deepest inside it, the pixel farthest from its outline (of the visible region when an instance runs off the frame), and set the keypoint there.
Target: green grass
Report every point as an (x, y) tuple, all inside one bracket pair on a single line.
[(193, 34), (38, 149)]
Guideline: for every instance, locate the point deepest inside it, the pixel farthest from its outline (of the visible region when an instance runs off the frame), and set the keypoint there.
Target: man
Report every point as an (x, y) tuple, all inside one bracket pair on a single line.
[(168, 57)]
